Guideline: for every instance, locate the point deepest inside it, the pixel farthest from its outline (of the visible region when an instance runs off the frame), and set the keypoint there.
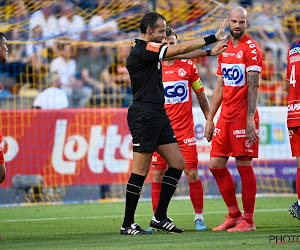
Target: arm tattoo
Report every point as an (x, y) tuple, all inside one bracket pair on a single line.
[(253, 84), (203, 102)]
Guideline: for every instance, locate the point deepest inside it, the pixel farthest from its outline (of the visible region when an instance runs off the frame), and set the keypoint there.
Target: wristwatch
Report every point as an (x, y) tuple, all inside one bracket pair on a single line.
[(208, 51)]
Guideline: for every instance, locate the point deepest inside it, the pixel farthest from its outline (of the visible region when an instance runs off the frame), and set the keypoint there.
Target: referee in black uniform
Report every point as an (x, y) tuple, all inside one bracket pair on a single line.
[(148, 122)]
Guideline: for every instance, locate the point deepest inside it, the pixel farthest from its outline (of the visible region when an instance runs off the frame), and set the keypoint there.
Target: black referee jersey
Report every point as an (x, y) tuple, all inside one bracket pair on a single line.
[(145, 70)]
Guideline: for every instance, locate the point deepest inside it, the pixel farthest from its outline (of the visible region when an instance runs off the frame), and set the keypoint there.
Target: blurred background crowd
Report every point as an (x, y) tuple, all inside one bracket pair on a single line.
[(72, 53)]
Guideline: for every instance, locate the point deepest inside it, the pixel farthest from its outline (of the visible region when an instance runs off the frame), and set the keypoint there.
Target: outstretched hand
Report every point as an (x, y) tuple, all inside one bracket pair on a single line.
[(220, 33), (219, 48)]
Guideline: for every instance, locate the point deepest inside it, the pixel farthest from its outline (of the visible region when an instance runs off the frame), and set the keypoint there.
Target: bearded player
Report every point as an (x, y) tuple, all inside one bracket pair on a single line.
[(236, 132), (179, 77), (293, 118), (3, 57)]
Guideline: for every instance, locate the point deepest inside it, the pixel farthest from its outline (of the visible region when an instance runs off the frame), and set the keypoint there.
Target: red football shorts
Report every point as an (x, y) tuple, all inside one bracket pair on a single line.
[(230, 139), (294, 134), (188, 147), (1, 156)]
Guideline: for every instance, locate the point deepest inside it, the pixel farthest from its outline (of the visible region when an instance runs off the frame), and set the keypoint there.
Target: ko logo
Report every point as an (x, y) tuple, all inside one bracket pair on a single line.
[(177, 90), (233, 76)]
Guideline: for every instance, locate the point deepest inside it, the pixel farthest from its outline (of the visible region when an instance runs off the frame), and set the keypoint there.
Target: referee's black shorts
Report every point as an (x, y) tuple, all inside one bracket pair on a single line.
[(149, 126)]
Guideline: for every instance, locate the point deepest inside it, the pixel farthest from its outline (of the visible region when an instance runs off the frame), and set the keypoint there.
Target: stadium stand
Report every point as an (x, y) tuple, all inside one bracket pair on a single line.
[(100, 34)]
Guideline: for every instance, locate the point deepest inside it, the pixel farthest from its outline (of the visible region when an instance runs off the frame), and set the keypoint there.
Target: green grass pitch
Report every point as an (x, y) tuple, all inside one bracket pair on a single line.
[(97, 226)]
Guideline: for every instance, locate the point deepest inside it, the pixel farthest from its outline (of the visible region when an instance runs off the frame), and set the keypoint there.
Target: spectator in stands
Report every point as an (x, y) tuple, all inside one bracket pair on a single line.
[(71, 24), (102, 26), (65, 66), (120, 80), (271, 85), (36, 56), (16, 11), (85, 5), (269, 27), (53, 97), (47, 20), (92, 63)]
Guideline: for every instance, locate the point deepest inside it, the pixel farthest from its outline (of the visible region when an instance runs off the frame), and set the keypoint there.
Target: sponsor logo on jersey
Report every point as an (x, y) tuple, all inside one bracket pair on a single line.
[(216, 131), (190, 141), (252, 47), (181, 72), (136, 144), (295, 50), (248, 143), (239, 55), (295, 58), (169, 72), (239, 133), (153, 46), (233, 74), (291, 133), (294, 107), (225, 54), (176, 92)]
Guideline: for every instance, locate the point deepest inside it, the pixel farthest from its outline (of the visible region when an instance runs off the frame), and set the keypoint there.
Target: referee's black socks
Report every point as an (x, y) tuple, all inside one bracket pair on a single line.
[(133, 192), (168, 187)]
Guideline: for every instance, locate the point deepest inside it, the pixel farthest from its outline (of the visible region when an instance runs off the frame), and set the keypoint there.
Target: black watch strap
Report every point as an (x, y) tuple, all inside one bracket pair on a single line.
[(208, 51)]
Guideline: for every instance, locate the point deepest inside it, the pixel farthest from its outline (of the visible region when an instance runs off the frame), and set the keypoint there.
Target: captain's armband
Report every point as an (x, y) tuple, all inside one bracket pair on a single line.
[(197, 86)]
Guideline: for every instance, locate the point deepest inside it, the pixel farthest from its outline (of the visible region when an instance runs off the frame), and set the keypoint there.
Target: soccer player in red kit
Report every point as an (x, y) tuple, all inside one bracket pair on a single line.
[(179, 77), (293, 118), (236, 132), (3, 57)]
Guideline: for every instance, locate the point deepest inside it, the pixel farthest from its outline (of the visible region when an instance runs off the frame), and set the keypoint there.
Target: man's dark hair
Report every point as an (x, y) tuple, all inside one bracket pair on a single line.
[(170, 32), (150, 20)]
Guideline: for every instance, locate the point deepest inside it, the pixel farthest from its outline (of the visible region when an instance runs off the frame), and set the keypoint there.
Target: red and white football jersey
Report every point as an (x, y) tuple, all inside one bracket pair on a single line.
[(177, 81), (293, 77), (233, 65)]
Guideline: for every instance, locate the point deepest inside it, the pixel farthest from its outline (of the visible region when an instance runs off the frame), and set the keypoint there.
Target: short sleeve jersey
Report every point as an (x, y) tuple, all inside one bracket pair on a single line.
[(145, 70), (177, 80), (293, 77), (233, 65)]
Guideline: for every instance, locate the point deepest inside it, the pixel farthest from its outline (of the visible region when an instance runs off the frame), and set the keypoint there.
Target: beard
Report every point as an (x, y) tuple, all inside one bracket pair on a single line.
[(236, 34)]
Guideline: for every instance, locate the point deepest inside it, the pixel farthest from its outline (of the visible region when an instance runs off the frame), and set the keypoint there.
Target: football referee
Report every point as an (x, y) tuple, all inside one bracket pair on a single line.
[(148, 122)]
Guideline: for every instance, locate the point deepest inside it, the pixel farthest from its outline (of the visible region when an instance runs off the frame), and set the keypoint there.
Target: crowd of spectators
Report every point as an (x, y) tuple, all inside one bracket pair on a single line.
[(86, 43)]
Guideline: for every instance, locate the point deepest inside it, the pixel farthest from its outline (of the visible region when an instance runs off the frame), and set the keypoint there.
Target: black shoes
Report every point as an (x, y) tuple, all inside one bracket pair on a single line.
[(133, 229), (165, 225)]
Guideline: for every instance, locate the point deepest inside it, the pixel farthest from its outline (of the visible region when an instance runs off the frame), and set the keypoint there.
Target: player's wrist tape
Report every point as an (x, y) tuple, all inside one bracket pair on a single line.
[(210, 39)]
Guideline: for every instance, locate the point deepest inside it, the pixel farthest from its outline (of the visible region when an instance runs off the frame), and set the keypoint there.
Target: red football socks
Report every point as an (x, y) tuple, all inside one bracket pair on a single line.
[(155, 194), (196, 194), (248, 191), (227, 190)]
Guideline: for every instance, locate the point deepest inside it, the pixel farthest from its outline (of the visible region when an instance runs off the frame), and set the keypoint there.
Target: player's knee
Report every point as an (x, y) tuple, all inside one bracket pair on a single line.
[(158, 175), (191, 175), (181, 163)]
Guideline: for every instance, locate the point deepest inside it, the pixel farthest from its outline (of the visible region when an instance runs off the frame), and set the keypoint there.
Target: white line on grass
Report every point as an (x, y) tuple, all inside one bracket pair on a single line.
[(121, 216)]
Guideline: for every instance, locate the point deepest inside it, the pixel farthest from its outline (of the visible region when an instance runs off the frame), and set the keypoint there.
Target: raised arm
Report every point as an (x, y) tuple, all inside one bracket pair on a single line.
[(216, 101), (253, 85), (218, 49), (192, 45)]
